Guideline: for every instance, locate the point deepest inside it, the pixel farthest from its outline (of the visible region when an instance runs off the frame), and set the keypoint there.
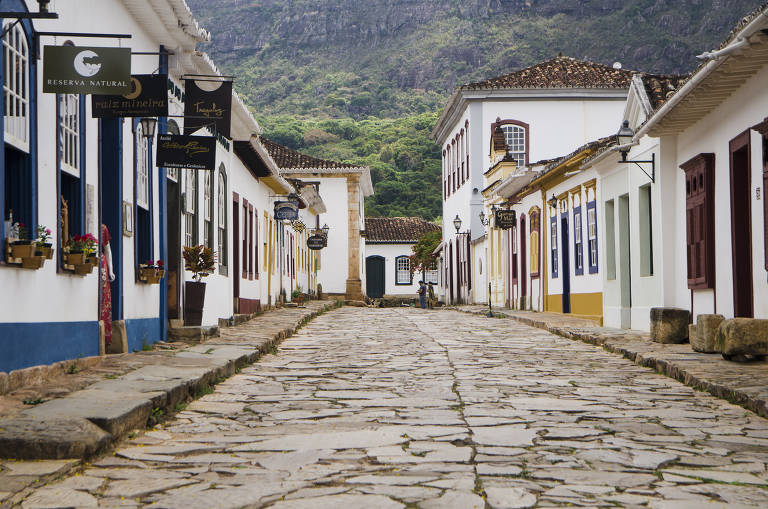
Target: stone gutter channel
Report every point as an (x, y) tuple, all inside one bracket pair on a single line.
[(86, 422), (744, 384)]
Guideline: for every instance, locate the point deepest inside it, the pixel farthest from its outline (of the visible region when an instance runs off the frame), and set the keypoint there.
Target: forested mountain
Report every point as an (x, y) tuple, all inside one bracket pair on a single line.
[(318, 63)]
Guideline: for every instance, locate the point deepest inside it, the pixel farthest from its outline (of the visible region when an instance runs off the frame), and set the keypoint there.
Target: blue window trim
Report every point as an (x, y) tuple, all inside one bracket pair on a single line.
[(553, 239), (59, 148), (31, 181), (593, 264), (578, 247), (150, 200), (410, 272)]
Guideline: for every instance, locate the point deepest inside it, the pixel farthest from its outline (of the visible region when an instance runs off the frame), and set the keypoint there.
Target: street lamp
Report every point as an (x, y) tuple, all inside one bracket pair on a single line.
[(325, 230), (43, 4), (624, 137), (553, 201), (457, 223), (482, 218), (148, 126)]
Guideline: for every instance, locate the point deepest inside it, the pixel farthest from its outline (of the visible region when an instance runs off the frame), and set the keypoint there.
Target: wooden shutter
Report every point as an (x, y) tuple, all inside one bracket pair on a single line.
[(699, 219)]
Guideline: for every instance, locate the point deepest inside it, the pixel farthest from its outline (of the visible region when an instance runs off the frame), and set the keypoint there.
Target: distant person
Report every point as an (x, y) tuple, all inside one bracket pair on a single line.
[(422, 291), (431, 295)]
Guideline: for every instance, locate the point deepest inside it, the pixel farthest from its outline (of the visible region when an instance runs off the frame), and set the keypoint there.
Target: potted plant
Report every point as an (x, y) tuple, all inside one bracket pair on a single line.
[(43, 246), (80, 247), (22, 247), (200, 261), (152, 272)]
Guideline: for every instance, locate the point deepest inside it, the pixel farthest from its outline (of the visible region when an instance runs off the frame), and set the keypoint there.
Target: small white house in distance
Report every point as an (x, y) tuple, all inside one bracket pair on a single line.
[(389, 243)]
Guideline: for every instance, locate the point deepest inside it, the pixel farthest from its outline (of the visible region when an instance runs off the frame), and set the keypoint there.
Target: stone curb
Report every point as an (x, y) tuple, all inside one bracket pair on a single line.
[(623, 344), (118, 406)]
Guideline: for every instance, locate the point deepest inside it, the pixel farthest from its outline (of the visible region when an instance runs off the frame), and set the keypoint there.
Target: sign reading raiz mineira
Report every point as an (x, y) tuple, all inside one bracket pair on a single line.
[(317, 242), (505, 219), (211, 105), (286, 210), (86, 70), (188, 152), (148, 98)]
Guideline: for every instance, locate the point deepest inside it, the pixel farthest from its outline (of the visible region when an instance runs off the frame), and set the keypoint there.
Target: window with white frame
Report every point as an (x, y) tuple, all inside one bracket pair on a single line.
[(553, 246), (16, 86), (222, 203), (432, 275), (142, 169), (190, 208), (207, 209), (69, 133), (592, 236), (515, 138), (577, 241), (403, 271)]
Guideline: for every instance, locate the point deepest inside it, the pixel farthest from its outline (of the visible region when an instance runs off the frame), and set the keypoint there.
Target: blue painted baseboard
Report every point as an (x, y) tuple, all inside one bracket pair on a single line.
[(142, 331), (30, 344)]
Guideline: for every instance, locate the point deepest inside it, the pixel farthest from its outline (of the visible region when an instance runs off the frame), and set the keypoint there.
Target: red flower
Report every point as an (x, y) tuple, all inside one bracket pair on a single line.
[(160, 263)]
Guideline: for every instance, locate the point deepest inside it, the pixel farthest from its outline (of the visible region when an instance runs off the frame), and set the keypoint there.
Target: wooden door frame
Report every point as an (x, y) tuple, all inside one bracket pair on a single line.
[(236, 274), (741, 142)]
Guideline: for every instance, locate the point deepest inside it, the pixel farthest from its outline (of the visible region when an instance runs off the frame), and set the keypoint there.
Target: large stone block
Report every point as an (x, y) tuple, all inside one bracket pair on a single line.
[(25, 437), (669, 325), (742, 338), (706, 329)]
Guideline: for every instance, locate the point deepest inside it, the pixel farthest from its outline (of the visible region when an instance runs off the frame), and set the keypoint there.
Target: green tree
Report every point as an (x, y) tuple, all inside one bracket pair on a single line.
[(422, 258)]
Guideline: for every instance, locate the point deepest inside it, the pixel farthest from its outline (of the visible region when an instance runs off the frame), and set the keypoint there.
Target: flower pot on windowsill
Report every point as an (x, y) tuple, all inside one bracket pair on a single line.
[(194, 300), (92, 259), (81, 269), (149, 275), (22, 249), (74, 258), (33, 262), (47, 250)]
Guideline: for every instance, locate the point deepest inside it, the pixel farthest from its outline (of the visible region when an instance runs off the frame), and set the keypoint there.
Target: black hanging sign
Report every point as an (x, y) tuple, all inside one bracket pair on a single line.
[(188, 152), (286, 210), (505, 219), (148, 98), (206, 107), (317, 242), (86, 70)]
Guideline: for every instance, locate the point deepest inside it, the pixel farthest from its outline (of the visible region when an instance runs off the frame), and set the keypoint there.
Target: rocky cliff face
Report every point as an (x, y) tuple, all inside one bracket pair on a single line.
[(427, 47)]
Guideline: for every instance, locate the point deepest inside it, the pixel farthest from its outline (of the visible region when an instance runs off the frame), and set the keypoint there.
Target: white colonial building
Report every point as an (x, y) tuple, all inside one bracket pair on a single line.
[(389, 244)]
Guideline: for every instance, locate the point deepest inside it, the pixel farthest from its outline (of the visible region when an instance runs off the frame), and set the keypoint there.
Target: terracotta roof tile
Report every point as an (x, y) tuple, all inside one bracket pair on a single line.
[(660, 87), (397, 229), (286, 157), (559, 72)]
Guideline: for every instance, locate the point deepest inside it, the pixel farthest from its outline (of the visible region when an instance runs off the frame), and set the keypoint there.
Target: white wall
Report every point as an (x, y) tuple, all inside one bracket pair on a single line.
[(334, 258), (747, 106)]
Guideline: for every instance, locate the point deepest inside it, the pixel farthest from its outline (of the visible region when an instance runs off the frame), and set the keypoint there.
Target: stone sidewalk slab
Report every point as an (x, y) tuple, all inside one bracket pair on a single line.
[(745, 384), (80, 423)]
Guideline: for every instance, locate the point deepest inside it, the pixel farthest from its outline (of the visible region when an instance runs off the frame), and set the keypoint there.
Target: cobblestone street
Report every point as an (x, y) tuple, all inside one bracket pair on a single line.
[(387, 408)]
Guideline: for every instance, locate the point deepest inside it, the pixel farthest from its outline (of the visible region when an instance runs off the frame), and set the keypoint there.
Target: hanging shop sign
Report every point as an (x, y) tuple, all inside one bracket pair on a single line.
[(317, 242), (207, 106), (148, 98), (188, 152), (286, 210), (86, 70), (505, 219)]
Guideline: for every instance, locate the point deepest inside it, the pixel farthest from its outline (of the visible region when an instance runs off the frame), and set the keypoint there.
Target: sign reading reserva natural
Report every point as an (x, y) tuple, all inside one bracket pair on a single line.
[(86, 70), (505, 219), (317, 242), (187, 152), (148, 98)]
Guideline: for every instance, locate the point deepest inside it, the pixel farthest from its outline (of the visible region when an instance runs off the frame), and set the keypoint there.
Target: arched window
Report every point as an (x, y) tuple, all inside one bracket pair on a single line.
[(222, 209), (143, 196), (516, 138), (403, 274)]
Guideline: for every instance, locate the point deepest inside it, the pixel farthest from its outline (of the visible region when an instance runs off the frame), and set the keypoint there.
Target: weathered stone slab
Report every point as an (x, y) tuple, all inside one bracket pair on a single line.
[(454, 500), (669, 325), (116, 413), (59, 497), (706, 330), (742, 336), (339, 440), (509, 498), (26, 437), (137, 488), (343, 500)]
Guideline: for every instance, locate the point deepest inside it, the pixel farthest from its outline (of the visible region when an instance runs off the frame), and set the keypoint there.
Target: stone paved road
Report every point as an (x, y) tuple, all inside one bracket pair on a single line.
[(389, 408)]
